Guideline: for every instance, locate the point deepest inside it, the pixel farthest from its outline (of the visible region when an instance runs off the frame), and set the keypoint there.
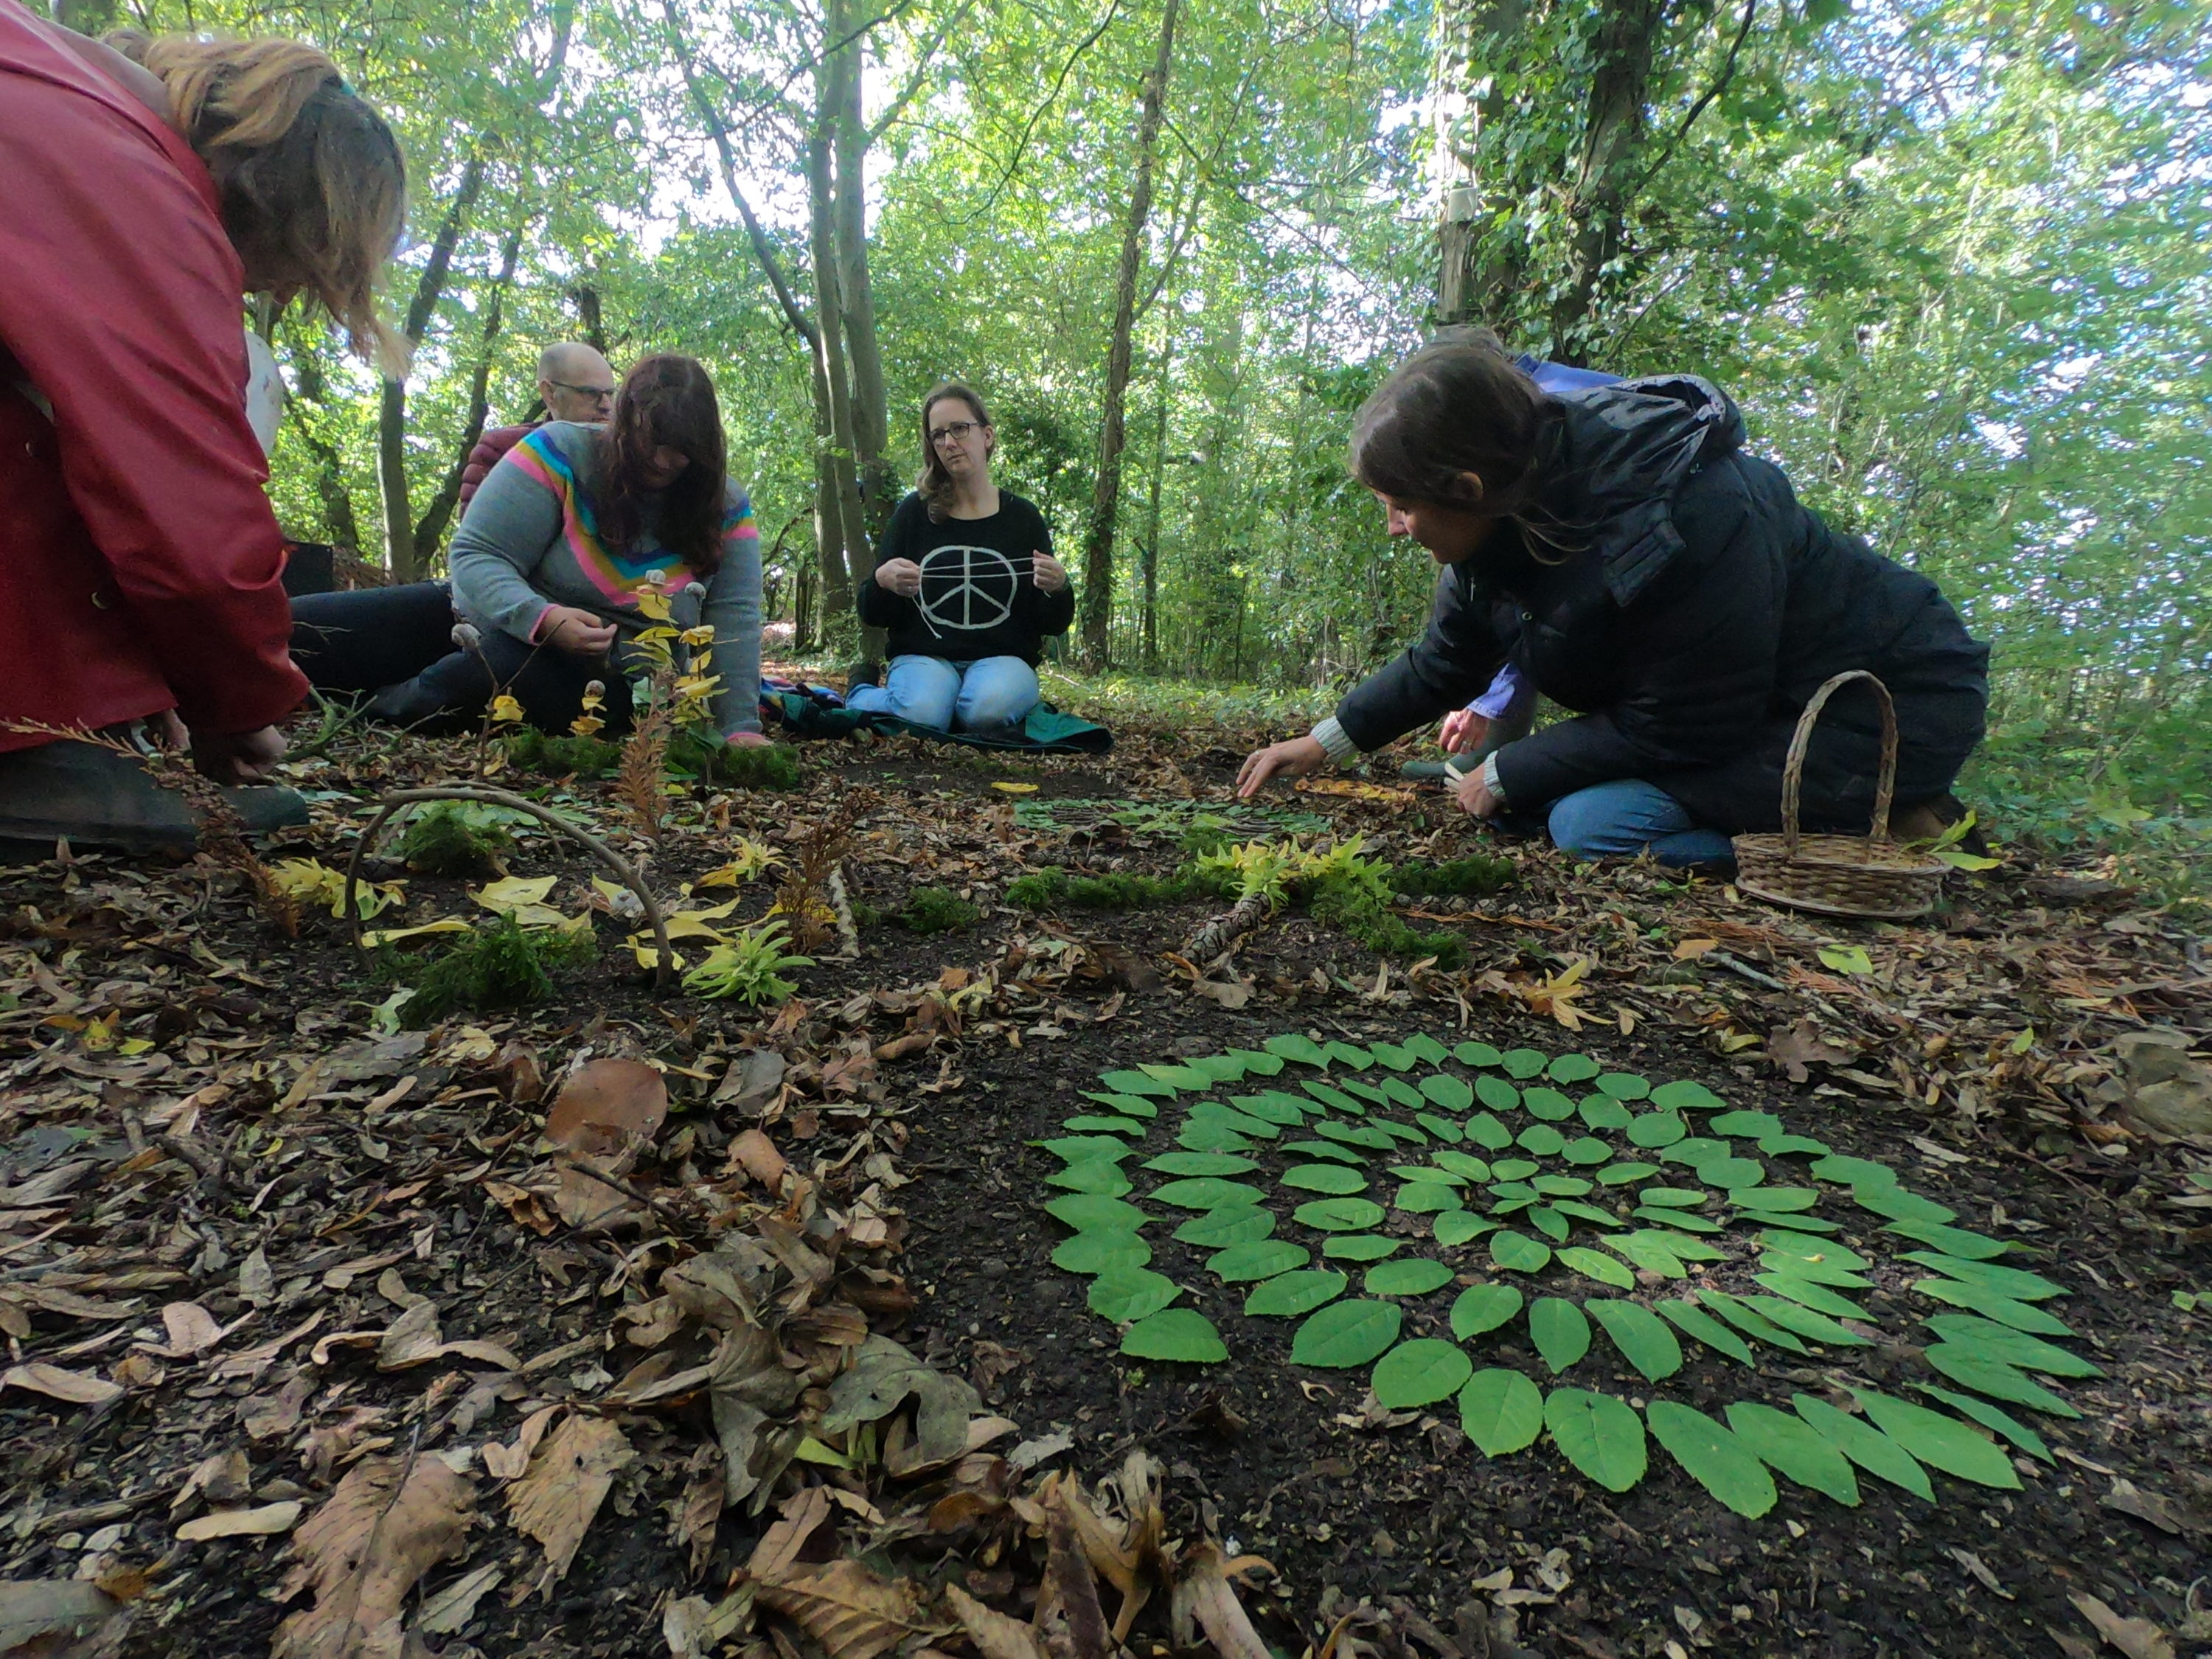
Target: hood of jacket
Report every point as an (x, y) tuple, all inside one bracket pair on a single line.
[(1624, 451)]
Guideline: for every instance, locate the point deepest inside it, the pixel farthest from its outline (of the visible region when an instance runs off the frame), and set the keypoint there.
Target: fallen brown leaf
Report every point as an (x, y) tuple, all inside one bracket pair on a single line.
[(798, 1520), (568, 1480), (266, 1522), (849, 1610), (363, 1551), (2138, 1638), (756, 1154), (994, 1634), (35, 1612), (78, 1388), (604, 1102)]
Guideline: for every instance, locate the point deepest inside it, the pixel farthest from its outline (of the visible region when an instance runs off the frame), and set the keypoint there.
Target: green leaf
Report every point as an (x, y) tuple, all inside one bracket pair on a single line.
[(1414, 1276), (1603, 1268), (1572, 1068), (1547, 1103), (1549, 1222), (1865, 1445), (1746, 1125), (1985, 1372), (2020, 1315), (1212, 1112), (1222, 1068), (1733, 1172), (1086, 1149), (1945, 1442), (1749, 1321), (1324, 1178), (1792, 1146), (1136, 1083), (1090, 1123), (1405, 1133), (1339, 1215), (1713, 1457), (1359, 1247), (1451, 1093), (1641, 1336), (1681, 1218), (1991, 1417), (1100, 1251), (1461, 1163), (1625, 1173), (1484, 1308), (1262, 1258), (1200, 1164), (1357, 1134), (1512, 1169), (1813, 1269), (1442, 1128), (1346, 1333), (1651, 1130), (1097, 1176), (1846, 958), (1335, 1100), (1275, 1107), (1649, 1251), (1397, 1059), (2017, 1282), (1853, 1172), (1696, 1322), (1303, 1050), (1542, 1140), (1497, 1094), (1686, 1096), (1486, 1131), (1128, 1105), (1675, 1198), (1561, 1186), (1625, 1085), (1517, 1253), (1327, 1149), (1183, 1080), (1764, 1202), (1806, 1294), (1420, 1373), (1128, 1293), (1523, 1063), (1295, 1293), (1599, 1434), (1204, 1192), (1604, 1112), (2014, 1347), (1082, 1211), (1560, 1331), (1477, 1053), (1200, 1134), (1427, 1049), (1588, 1152), (1181, 1334), (1420, 1174), (1900, 1206), (1951, 1241), (1426, 1198), (1502, 1410), (1789, 1445), (1795, 1316), (1232, 1223), (1343, 1054), (1456, 1227)]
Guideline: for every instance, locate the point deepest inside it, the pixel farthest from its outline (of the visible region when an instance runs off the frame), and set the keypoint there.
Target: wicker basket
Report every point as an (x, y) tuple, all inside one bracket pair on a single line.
[(1840, 875)]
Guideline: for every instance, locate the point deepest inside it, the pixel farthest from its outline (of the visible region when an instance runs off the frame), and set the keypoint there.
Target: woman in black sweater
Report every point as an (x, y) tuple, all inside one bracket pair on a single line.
[(967, 585), (1618, 546)]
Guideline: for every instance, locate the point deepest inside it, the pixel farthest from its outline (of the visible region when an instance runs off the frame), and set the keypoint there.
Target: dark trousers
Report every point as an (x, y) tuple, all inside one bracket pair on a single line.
[(397, 644)]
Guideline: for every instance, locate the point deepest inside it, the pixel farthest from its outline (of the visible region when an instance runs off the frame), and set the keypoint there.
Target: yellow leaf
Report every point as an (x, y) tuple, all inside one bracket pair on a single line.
[(1015, 788), (1691, 949), (514, 892), (702, 635), (656, 636), (648, 954), (586, 725), (394, 935), (1735, 1041), (654, 603), (505, 710), (133, 1046), (99, 1034)]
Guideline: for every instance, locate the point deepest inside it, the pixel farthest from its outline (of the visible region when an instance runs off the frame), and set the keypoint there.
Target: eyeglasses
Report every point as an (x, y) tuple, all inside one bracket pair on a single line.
[(603, 394), (955, 430)]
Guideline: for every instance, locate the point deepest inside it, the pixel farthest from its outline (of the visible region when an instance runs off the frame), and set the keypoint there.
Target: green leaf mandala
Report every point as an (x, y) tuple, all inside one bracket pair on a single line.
[(1474, 1223)]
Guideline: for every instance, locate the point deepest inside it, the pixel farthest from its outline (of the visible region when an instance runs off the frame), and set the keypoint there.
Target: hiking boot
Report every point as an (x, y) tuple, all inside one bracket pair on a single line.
[(94, 797)]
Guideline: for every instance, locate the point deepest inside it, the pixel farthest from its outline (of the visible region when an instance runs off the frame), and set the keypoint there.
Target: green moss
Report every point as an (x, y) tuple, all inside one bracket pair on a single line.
[(498, 966), (938, 910), (1475, 876), (1053, 889), (532, 750), (456, 838), (702, 754)]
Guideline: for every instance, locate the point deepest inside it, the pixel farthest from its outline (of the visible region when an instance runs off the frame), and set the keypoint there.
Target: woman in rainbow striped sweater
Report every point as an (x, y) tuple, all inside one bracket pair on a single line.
[(546, 570)]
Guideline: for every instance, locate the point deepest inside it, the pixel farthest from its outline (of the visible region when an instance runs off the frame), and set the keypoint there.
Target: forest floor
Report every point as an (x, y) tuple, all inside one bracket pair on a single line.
[(324, 1339)]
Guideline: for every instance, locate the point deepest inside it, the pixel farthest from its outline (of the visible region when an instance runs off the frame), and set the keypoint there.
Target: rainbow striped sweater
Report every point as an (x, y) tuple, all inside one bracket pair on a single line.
[(530, 540)]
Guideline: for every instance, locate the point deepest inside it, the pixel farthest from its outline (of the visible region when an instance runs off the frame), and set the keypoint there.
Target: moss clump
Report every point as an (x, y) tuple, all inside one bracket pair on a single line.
[(1053, 889), (458, 838), (938, 910), (1474, 876), (1360, 911), (707, 757), (498, 966), (532, 750)]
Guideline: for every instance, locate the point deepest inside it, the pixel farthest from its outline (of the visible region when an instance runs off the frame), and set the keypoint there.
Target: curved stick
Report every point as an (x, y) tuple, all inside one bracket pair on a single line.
[(399, 799)]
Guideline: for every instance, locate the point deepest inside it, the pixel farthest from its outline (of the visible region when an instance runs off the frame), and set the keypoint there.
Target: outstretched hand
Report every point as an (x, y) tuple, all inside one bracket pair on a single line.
[(1462, 729), (1291, 759), (1048, 572)]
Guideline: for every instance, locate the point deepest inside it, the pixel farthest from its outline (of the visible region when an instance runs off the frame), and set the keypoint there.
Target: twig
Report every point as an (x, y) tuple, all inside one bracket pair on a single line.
[(400, 799), (679, 1224), (1743, 970)]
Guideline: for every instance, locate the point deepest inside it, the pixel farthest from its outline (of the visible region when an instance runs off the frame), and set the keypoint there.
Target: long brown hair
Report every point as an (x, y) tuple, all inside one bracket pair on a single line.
[(312, 180), (1461, 405), (665, 401), (935, 483)]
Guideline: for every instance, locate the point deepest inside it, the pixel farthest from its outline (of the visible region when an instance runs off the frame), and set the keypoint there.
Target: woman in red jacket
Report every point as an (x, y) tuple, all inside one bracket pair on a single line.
[(139, 560)]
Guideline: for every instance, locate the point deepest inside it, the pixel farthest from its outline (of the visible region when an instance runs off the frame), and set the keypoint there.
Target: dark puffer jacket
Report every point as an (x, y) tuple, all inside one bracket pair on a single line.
[(1703, 607)]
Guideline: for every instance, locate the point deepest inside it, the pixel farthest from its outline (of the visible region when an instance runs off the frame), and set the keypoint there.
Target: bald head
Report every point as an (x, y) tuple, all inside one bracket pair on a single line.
[(575, 382)]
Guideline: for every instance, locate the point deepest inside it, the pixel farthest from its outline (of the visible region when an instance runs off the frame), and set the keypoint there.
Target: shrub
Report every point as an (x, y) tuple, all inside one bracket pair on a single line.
[(749, 968), (938, 910), (458, 838), (501, 965)]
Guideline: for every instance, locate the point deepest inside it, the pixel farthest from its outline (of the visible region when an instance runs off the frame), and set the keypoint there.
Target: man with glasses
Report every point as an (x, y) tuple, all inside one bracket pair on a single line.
[(573, 383)]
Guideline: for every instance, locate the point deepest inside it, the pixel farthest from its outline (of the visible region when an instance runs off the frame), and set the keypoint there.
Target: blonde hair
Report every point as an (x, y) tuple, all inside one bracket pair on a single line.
[(312, 180)]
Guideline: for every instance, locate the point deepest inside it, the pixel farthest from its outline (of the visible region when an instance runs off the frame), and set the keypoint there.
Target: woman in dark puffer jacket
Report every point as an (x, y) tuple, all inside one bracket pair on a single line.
[(1619, 547)]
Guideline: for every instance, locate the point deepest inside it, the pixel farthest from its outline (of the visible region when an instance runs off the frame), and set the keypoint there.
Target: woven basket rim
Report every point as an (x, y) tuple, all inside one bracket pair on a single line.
[(1903, 911), (1849, 852)]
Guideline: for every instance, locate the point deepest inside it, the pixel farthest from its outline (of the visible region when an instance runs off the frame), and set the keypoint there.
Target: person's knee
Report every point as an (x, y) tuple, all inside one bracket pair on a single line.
[(996, 694), (1600, 823)]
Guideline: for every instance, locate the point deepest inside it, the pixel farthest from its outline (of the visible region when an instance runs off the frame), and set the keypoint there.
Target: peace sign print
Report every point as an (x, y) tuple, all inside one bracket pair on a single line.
[(967, 588)]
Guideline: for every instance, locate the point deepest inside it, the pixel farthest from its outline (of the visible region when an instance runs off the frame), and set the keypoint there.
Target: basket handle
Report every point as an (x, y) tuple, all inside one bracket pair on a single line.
[(1793, 769)]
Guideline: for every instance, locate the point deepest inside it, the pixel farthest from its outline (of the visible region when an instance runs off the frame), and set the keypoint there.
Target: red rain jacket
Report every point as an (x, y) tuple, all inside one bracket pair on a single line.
[(140, 562)]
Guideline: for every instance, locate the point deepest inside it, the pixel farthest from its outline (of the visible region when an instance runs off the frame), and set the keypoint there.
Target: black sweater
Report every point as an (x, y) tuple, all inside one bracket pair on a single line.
[(978, 597), (1704, 606)]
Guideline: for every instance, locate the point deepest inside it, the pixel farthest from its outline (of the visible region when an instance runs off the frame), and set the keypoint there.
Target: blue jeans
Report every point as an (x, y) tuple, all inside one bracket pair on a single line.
[(988, 695), (1619, 820)]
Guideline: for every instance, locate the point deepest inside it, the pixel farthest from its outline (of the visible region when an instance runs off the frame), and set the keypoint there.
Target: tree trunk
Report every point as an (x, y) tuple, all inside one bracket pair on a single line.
[(1481, 249), (1613, 134), (840, 506), (589, 323), (340, 523), (1106, 494), (430, 528), (400, 552), (870, 403), (1150, 550)]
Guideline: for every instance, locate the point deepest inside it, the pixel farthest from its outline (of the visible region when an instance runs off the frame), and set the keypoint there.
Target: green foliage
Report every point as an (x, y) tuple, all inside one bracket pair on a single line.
[(938, 910), (1051, 888), (1475, 876), (701, 752), (749, 968), (499, 965), (529, 749), (458, 838)]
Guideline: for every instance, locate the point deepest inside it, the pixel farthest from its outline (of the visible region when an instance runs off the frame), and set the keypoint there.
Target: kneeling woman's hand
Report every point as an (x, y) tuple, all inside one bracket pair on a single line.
[(1476, 797), (565, 627), (901, 576), (746, 741), (1293, 759)]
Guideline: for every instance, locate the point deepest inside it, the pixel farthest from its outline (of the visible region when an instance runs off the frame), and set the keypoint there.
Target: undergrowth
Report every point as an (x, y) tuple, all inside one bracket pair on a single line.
[(938, 910), (774, 766), (749, 969), (458, 838), (529, 749), (500, 965), (1051, 888), (1477, 876)]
